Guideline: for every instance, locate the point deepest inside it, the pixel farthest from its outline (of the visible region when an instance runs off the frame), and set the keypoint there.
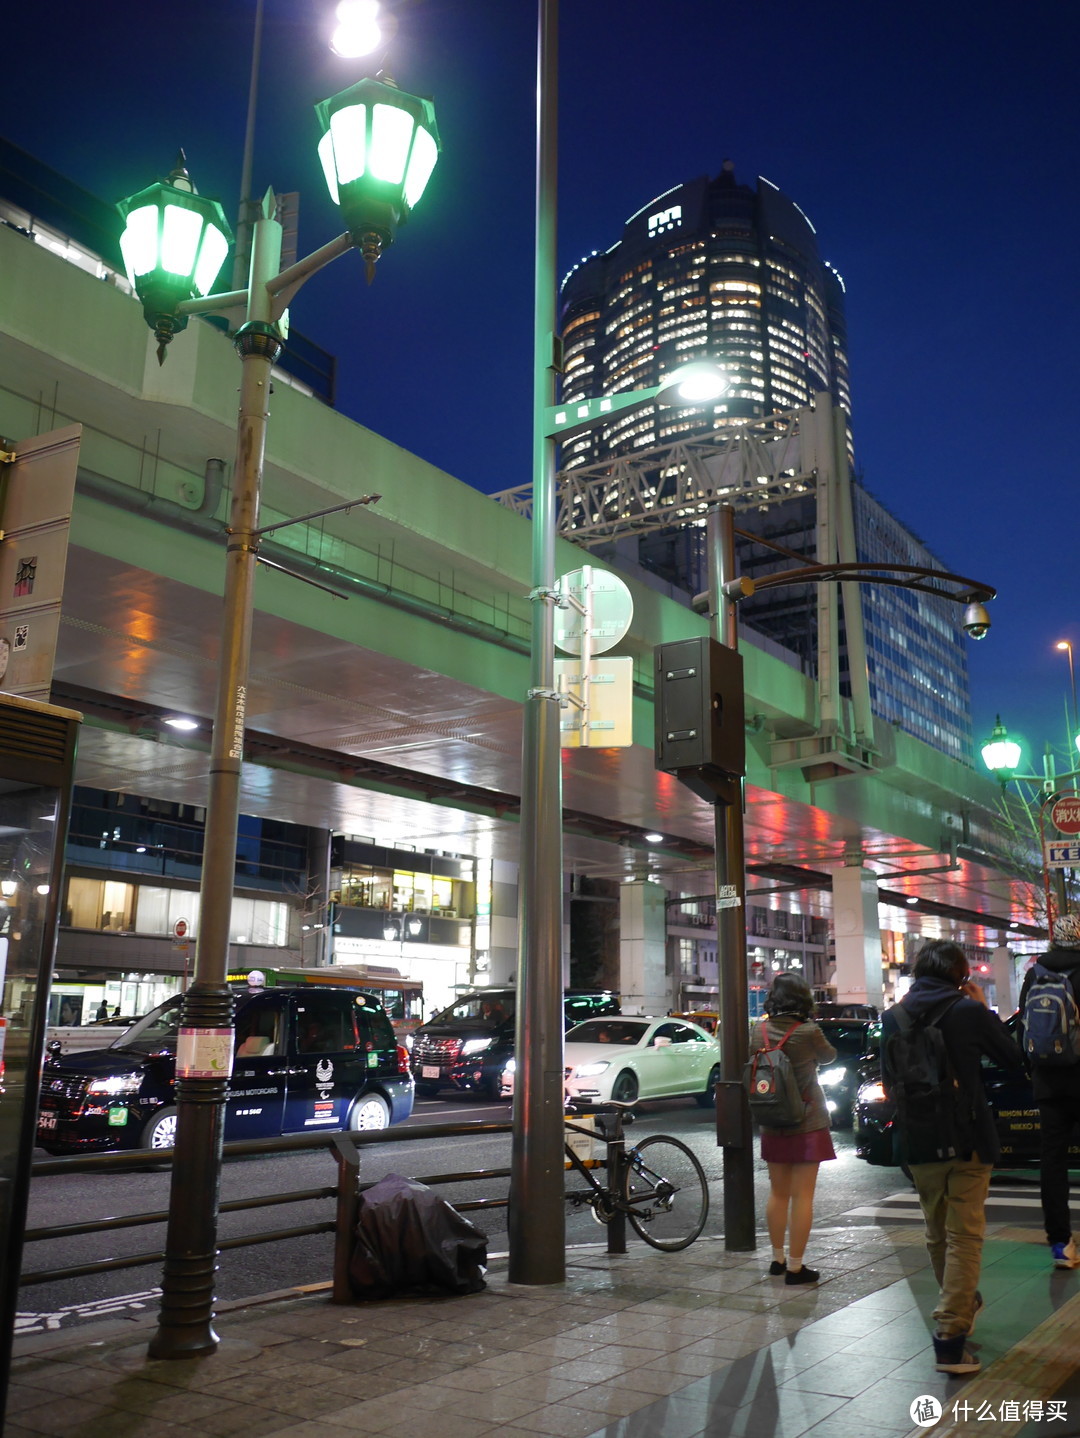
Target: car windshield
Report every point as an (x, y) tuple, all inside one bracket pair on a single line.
[(606, 1031), (155, 1032), (487, 1008), (849, 1039)]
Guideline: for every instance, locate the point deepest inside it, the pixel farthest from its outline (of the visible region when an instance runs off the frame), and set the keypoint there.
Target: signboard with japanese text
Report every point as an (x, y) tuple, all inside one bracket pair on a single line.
[(38, 492)]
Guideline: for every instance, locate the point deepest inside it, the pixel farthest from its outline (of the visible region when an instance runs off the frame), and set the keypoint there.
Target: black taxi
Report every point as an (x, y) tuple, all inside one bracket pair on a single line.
[(1012, 1103), (304, 1059)]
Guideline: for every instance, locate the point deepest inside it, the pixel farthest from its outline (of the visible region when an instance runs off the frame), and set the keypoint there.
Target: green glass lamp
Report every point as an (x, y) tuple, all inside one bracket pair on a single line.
[(379, 146), (174, 244), (1000, 754)]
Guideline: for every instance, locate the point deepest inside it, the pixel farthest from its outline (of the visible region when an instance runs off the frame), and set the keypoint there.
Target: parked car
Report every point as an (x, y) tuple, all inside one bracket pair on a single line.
[(855, 1061), (627, 1059), (468, 1045), (1012, 1103), (828, 1010), (305, 1059)]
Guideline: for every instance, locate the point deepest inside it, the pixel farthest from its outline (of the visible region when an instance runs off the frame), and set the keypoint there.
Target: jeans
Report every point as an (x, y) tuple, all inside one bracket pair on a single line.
[(952, 1196), (1056, 1120)]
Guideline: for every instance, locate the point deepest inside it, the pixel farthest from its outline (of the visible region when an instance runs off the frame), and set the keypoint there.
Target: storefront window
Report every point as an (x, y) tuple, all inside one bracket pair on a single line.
[(104, 904)]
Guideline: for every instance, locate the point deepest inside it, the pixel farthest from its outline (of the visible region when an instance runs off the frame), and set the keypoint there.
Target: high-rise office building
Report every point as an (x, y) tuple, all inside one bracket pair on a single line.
[(714, 269), (711, 268)]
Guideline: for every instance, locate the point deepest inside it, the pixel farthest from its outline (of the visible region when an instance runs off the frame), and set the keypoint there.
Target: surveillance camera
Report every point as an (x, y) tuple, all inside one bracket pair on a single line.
[(976, 621)]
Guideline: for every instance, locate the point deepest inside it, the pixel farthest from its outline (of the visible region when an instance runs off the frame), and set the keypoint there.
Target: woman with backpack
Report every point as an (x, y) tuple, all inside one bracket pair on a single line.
[(794, 1152)]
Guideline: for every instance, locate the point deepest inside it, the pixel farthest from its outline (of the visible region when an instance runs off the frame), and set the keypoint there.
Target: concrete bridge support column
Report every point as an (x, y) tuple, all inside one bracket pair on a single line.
[(645, 986), (858, 936)]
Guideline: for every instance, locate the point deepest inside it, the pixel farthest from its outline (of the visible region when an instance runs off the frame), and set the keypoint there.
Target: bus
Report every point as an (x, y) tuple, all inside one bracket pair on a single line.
[(402, 998)]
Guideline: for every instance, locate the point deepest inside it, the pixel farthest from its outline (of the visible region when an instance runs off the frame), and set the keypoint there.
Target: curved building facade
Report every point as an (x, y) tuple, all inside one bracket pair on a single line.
[(711, 268)]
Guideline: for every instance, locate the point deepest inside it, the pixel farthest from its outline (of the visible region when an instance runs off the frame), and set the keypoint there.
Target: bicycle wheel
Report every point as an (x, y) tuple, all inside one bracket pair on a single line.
[(665, 1193)]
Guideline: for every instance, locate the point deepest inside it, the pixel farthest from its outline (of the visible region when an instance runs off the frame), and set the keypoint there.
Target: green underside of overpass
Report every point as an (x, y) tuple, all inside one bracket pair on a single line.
[(445, 569)]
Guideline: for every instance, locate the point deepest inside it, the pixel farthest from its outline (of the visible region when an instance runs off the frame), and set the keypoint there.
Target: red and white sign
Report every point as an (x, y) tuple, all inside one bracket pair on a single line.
[(1065, 814), (180, 929)]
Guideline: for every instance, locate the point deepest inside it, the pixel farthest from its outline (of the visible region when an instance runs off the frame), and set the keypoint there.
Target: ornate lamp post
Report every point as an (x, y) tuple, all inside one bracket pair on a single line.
[(383, 145)]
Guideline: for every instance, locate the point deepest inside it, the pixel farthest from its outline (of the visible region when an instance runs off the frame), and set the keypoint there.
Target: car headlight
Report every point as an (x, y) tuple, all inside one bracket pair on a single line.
[(118, 1084), (475, 1046), (831, 1077), (872, 1093), (510, 1067), (591, 1070)]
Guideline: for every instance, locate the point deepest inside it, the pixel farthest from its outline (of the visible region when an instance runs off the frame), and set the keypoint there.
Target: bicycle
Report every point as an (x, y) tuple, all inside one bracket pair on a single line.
[(658, 1184)]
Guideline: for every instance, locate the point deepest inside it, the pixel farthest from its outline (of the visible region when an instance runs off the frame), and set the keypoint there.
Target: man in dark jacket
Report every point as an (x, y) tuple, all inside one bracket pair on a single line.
[(953, 1177), (1057, 1092)]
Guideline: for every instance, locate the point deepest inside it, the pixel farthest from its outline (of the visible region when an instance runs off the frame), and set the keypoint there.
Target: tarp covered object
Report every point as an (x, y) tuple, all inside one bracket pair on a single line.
[(410, 1241)]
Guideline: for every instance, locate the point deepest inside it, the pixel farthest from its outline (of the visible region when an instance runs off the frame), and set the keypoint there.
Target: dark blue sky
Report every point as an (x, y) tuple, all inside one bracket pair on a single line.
[(933, 146)]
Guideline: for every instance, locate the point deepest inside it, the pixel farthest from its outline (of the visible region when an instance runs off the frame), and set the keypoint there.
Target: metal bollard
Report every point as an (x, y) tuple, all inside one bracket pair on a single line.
[(616, 1165), (348, 1209)]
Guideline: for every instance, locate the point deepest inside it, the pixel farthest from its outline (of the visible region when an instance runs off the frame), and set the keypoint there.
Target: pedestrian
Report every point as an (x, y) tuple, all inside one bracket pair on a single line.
[(932, 1045), (1057, 1089), (793, 1154), (102, 1012)]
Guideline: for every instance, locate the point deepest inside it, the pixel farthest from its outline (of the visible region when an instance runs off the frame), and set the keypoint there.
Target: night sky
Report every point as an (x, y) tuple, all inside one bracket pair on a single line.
[(933, 146)]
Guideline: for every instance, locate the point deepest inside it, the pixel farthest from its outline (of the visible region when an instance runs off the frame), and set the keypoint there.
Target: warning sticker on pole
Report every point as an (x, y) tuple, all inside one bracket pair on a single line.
[(204, 1053), (727, 897)]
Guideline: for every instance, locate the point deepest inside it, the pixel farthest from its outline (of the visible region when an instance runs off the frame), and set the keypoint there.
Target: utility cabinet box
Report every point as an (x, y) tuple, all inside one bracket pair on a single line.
[(699, 708)]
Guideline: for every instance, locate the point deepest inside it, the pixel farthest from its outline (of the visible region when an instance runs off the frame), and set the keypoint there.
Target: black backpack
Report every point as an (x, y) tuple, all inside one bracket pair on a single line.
[(1050, 1020), (932, 1112), (769, 1081)]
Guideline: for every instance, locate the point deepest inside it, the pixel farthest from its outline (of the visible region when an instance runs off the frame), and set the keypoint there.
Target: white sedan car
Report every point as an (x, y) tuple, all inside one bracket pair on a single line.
[(630, 1058)]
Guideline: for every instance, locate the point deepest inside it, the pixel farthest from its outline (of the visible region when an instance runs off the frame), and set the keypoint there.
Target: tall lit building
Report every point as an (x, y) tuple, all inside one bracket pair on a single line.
[(719, 270), (711, 268)]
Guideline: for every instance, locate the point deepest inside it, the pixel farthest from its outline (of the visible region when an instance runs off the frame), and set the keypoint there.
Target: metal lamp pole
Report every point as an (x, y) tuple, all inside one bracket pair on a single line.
[(733, 1130), (537, 1223)]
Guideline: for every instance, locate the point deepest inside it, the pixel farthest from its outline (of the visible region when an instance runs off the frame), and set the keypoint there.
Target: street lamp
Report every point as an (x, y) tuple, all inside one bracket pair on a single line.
[(174, 244), (1000, 754)]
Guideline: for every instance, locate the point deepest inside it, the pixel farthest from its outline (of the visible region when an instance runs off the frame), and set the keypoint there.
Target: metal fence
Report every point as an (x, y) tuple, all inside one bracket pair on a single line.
[(345, 1148)]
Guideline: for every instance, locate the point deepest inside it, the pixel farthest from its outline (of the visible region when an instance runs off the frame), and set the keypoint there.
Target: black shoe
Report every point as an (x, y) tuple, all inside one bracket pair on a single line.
[(776, 1269), (801, 1275), (953, 1356)]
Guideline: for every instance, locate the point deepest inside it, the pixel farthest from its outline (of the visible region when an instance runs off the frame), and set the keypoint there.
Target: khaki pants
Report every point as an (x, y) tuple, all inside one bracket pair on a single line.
[(953, 1200)]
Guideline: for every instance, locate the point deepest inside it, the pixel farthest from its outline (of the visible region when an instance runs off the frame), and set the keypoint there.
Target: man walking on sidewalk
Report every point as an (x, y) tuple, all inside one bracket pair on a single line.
[(1048, 1007), (931, 1049)]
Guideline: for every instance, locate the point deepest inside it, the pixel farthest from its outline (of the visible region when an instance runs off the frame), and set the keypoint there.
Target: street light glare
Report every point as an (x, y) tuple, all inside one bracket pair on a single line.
[(357, 31), (696, 383), (1000, 754)]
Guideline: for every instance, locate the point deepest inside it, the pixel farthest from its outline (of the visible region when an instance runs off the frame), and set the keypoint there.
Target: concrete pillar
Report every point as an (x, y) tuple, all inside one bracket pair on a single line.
[(858, 936), (644, 983), (1008, 990), (504, 924)]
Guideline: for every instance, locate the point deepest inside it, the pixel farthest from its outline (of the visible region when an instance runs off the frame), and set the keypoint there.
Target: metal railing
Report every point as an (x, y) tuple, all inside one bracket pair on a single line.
[(346, 1191)]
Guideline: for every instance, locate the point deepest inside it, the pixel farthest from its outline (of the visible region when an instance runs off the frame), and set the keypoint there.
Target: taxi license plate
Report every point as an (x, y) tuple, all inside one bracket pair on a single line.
[(429, 1071), (47, 1119)]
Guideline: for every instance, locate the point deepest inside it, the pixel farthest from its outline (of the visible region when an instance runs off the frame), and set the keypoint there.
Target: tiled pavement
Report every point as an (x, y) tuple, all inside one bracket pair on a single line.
[(650, 1345)]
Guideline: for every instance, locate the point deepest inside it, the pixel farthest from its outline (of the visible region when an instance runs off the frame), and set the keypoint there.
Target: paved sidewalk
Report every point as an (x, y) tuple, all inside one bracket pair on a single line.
[(650, 1345)]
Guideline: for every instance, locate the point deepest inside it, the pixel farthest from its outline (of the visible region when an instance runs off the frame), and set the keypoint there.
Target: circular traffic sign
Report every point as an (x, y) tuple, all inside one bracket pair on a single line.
[(1065, 814), (608, 601), (180, 929)]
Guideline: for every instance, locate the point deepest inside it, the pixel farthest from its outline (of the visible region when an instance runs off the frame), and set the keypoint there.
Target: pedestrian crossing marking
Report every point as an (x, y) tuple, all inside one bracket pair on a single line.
[(904, 1204)]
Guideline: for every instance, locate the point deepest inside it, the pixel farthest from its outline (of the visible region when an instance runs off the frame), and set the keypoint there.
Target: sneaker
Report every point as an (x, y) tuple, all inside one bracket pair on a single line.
[(975, 1311), (801, 1275), (953, 1356), (777, 1268), (1065, 1255)]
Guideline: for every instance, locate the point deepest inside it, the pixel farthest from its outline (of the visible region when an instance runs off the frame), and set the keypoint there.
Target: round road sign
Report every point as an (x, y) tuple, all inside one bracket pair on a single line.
[(180, 929), (1065, 814)]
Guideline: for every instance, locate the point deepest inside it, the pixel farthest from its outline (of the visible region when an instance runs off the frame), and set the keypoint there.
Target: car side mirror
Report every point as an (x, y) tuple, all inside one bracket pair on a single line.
[(661, 1042)]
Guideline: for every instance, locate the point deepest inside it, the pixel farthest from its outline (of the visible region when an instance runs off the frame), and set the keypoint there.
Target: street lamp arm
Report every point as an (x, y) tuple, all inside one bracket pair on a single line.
[(210, 304), (284, 285), (906, 576)]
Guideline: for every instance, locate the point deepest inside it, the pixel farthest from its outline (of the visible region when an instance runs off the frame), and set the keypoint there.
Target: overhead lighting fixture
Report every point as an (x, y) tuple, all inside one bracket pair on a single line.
[(912, 899), (179, 722), (654, 838)]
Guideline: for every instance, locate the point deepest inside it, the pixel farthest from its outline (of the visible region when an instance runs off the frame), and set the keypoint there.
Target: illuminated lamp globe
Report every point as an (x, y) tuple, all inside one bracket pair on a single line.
[(357, 31), (379, 146), (174, 244), (1000, 754), (692, 384)]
